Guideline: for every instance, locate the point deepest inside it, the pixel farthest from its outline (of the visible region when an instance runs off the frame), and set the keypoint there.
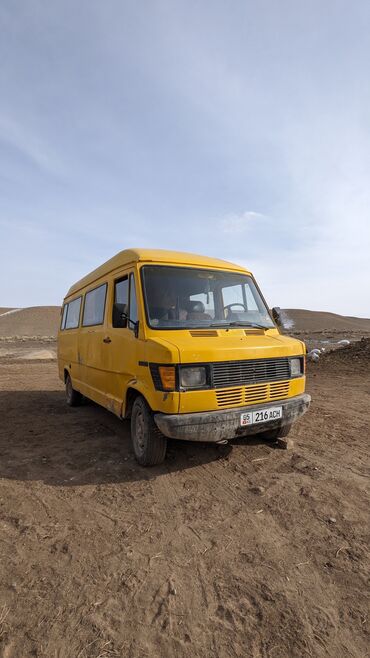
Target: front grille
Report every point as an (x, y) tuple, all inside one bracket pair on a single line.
[(251, 371), (255, 394), (231, 397), (279, 390)]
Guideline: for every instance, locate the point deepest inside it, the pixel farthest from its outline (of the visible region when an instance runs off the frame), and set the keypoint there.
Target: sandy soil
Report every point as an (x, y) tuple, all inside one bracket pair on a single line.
[(243, 550)]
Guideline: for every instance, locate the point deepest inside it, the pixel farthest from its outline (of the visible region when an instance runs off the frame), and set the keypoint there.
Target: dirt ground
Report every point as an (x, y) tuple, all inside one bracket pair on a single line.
[(241, 550)]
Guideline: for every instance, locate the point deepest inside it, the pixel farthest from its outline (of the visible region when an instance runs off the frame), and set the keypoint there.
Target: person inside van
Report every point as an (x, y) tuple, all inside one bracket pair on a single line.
[(165, 305), (169, 306)]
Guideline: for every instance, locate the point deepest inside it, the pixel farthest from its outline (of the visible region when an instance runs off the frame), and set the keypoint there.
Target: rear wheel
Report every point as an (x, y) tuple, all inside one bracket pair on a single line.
[(73, 397), (148, 442), (275, 434)]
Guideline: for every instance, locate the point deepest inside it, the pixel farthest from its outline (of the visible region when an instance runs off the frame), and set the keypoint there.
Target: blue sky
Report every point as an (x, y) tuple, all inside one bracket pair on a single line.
[(234, 129)]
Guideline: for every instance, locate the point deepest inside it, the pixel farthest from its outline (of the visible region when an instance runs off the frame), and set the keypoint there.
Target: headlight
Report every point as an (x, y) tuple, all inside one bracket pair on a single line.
[(296, 367), (193, 377)]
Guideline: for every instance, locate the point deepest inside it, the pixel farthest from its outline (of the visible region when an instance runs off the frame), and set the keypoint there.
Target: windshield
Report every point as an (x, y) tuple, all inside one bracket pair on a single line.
[(184, 297)]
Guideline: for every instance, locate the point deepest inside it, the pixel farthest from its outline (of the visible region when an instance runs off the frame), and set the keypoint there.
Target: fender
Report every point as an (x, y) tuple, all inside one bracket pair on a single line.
[(141, 387)]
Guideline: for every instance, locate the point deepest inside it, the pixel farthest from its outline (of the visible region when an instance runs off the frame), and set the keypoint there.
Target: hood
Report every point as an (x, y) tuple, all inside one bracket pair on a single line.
[(202, 346)]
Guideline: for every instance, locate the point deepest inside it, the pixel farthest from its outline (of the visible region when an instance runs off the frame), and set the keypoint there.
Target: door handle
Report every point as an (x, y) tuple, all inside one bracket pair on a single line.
[(107, 340)]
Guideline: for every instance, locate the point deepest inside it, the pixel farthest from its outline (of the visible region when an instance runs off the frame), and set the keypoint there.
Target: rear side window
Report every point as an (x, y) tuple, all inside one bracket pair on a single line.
[(72, 319), (94, 306)]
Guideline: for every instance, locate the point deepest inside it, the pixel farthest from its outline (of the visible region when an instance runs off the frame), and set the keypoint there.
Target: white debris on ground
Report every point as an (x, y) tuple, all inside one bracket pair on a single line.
[(314, 354)]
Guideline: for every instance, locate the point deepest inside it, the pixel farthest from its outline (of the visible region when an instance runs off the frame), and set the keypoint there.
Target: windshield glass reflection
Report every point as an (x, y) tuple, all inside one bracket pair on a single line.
[(182, 297)]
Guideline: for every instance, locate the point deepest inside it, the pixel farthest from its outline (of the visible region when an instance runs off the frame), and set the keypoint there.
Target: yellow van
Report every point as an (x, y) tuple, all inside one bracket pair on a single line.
[(184, 346)]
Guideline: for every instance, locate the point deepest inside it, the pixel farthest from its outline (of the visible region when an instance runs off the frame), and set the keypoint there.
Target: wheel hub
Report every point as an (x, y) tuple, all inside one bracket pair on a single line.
[(140, 432)]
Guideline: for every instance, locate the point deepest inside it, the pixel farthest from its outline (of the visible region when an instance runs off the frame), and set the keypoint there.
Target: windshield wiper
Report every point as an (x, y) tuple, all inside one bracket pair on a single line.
[(240, 323)]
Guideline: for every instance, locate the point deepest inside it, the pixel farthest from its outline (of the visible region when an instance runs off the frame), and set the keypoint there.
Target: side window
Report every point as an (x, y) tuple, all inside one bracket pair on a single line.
[(73, 314), (64, 316), (94, 306), (120, 305), (133, 302)]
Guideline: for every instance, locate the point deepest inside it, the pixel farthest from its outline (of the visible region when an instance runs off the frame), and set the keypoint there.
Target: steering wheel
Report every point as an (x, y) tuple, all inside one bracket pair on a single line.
[(228, 307)]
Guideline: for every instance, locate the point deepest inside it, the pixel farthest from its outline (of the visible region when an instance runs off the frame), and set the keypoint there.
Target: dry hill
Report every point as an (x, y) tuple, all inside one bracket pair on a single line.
[(305, 320), (44, 321), (33, 321)]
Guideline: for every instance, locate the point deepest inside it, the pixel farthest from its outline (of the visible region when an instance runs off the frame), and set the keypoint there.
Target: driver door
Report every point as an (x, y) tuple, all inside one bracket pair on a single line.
[(122, 352)]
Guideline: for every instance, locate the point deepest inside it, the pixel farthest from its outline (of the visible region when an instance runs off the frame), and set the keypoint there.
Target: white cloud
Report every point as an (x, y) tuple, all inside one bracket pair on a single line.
[(235, 223), (29, 145)]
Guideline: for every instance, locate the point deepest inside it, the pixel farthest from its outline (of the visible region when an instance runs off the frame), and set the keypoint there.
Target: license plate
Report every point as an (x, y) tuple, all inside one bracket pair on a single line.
[(261, 416)]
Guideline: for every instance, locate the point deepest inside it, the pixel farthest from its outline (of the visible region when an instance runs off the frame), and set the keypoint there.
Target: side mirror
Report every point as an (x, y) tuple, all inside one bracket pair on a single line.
[(119, 319), (276, 314)]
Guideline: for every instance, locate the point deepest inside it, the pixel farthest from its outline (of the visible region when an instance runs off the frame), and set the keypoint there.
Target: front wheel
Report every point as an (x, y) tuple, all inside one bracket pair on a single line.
[(73, 397), (275, 434), (148, 442)]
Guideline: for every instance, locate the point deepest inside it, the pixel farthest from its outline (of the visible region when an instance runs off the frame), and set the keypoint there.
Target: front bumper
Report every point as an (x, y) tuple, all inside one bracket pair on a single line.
[(217, 426)]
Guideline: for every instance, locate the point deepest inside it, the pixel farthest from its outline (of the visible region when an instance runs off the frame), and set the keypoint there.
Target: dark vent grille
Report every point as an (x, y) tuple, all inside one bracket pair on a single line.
[(156, 376), (203, 333), (252, 371)]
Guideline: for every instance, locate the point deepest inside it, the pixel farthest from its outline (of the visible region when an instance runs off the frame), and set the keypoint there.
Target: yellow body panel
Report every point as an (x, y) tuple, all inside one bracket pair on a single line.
[(105, 371)]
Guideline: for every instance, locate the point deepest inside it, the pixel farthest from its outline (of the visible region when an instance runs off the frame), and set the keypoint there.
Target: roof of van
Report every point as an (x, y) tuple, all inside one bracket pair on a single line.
[(128, 256)]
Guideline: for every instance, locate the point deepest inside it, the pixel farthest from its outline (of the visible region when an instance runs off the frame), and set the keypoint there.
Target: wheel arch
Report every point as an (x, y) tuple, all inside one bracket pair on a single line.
[(131, 394), (66, 373)]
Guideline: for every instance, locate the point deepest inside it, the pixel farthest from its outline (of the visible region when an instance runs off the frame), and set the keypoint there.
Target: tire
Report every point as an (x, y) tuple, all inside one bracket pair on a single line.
[(73, 397), (275, 434), (148, 442)]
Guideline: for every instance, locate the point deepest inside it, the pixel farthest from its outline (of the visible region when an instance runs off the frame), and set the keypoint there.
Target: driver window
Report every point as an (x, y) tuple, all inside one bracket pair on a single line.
[(251, 302), (120, 305), (133, 302)]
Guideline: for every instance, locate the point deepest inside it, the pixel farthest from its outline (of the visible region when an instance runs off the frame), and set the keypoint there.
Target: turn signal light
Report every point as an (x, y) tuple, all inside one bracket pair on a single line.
[(168, 377)]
